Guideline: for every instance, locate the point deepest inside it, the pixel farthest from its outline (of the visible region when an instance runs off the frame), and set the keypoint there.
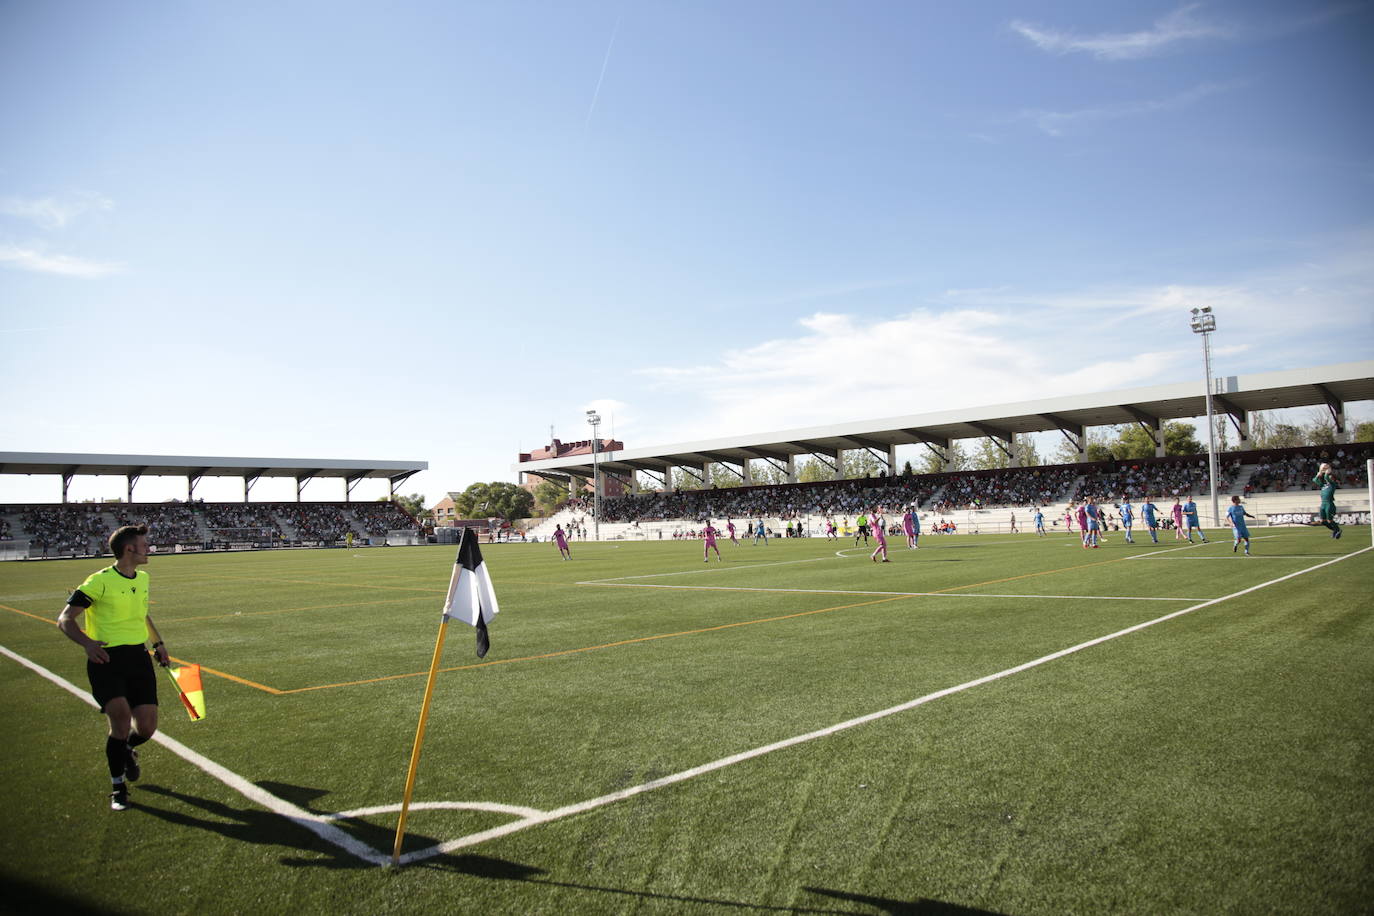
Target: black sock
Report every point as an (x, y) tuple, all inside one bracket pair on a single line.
[(135, 739), (116, 755)]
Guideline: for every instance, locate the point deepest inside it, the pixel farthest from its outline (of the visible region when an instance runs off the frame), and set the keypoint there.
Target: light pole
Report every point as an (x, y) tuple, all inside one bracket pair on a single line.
[(595, 420), (1204, 323)]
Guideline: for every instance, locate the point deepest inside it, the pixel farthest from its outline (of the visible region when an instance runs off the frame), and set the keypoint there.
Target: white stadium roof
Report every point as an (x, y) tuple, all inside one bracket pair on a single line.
[(1329, 386), (193, 468)]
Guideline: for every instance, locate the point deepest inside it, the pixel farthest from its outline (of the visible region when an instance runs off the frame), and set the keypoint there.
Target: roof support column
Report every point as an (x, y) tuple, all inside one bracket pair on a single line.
[(1002, 439), (892, 461), (706, 475), (791, 468), (193, 481), (248, 481), (1240, 419), (352, 481), (668, 479), (748, 475), (831, 460), (301, 481), (66, 483), (1073, 432), (1151, 424), (131, 479), (1337, 408)]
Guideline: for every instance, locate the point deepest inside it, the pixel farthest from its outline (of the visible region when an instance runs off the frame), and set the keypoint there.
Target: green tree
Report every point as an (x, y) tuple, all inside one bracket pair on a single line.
[(1100, 439), (813, 470), (1135, 441), (767, 473), (932, 463), (496, 499), (907, 470), (684, 479), (1364, 431), (860, 462), (723, 476), (989, 455), (549, 496), (1320, 428), (414, 504), (1280, 435)]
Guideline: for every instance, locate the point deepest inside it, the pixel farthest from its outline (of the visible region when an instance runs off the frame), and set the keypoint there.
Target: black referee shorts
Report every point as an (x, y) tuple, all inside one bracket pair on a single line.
[(128, 674)]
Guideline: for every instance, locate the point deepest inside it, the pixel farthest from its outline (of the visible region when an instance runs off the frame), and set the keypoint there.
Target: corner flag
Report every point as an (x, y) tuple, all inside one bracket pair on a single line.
[(471, 599), (470, 595)]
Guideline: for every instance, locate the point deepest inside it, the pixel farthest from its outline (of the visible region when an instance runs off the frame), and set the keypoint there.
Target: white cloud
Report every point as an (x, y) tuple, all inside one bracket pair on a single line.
[(60, 264), (1056, 123), (55, 212), (1180, 25), (977, 347)]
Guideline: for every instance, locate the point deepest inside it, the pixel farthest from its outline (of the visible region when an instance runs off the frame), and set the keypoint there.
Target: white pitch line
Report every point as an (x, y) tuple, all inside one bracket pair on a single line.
[(849, 591), (691, 572), (1258, 556), (558, 813), (1155, 553), (317, 824)]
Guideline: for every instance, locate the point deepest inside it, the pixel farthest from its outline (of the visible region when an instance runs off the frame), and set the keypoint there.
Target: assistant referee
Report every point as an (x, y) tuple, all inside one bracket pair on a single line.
[(115, 602)]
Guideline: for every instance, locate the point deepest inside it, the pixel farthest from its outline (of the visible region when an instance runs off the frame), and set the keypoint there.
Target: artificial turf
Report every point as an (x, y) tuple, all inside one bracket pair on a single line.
[(1214, 762)]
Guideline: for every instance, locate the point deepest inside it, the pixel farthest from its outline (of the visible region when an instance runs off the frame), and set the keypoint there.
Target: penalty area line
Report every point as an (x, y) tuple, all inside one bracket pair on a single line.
[(546, 817), (318, 824)]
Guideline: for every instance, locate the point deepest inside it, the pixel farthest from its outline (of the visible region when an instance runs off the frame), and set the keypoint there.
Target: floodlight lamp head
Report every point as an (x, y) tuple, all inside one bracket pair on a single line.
[(1203, 321)]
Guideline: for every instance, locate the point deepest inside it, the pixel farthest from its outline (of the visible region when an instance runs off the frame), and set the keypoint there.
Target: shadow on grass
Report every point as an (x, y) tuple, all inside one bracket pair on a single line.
[(251, 824), (905, 907), (25, 897), (500, 869)]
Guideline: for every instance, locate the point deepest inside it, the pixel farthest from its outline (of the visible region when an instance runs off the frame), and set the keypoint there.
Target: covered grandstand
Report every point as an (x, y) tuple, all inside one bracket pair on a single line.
[(982, 500), (79, 529)]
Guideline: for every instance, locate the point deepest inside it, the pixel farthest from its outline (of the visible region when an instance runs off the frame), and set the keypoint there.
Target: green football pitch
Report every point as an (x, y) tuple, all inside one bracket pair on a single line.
[(988, 724)]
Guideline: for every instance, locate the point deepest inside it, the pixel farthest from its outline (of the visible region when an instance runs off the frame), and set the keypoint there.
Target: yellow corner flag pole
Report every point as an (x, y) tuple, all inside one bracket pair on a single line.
[(419, 740)]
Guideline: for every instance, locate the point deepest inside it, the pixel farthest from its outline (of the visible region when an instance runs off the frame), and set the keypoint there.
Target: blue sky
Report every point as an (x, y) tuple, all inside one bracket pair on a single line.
[(431, 230)]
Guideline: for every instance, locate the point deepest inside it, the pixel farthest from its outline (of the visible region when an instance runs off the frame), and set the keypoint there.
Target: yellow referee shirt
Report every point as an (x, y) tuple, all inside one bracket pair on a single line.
[(118, 612)]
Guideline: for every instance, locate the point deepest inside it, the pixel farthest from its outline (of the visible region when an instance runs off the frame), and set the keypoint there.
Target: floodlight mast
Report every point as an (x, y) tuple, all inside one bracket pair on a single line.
[(1204, 323), (594, 419)]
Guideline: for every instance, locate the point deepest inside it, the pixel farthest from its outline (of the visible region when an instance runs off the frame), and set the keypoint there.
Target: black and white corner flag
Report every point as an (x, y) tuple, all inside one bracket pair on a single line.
[(470, 595)]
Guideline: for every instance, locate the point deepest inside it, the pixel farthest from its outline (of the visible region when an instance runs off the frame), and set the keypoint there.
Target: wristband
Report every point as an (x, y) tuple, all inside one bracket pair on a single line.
[(156, 644)]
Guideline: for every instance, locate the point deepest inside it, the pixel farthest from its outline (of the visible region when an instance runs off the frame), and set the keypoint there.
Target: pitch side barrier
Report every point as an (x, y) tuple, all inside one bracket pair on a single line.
[(1312, 518)]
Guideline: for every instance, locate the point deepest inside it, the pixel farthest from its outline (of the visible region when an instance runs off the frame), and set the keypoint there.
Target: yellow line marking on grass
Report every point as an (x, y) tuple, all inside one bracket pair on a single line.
[(609, 645), (179, 661), (237, 680), (27, 614)]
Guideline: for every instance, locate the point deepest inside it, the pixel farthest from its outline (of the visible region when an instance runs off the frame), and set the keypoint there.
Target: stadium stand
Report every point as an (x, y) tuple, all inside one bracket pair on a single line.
[(81, 529), (982, 501)]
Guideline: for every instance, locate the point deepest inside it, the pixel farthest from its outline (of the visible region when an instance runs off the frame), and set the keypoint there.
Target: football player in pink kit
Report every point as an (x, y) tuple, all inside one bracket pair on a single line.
[(1068, 520), (1083, 522), (561, 540), (709, 534), (1178, 519), (909, 526), (730, 527), (879, 526)]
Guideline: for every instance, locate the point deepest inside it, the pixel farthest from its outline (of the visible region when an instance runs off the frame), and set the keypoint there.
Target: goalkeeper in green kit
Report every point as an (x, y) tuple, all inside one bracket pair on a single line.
[(1326, 479)]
